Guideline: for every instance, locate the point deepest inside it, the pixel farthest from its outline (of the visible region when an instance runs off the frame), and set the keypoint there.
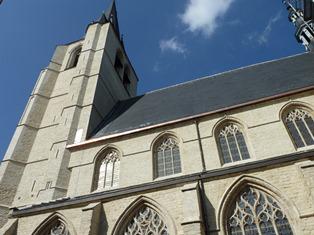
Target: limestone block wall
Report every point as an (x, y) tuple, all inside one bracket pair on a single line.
[(65, 106), (188, 210), (266, 137)]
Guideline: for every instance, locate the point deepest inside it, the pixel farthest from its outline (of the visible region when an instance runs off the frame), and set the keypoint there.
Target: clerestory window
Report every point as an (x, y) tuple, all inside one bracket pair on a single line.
[(300, 125), (107, 171), (255, 212), (167, 157), (232, 144)]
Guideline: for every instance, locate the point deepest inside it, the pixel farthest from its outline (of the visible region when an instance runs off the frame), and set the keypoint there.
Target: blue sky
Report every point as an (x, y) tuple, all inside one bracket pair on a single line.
[(168, 41)]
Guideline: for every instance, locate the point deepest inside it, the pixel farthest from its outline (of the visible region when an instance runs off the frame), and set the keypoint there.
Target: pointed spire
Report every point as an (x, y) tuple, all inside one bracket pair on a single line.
[(111, 16)]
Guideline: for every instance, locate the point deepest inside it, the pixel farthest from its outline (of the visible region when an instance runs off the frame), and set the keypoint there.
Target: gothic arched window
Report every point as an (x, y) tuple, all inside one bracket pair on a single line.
[(255, 212), (54, 226), (300, 125), (74, 57), (167, 157), (107, 171), (232, 143), (146, 221)]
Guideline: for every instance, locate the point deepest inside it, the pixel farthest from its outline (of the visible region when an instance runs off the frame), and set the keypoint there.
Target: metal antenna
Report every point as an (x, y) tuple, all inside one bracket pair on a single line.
[(301, 14)]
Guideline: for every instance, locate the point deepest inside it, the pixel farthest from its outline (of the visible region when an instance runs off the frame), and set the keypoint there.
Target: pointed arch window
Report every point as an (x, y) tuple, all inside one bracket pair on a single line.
[(255, 212), (232, 144), (146, 221), (56, 226), (300, 125), (167, 157), (74, 58), (107, 171)]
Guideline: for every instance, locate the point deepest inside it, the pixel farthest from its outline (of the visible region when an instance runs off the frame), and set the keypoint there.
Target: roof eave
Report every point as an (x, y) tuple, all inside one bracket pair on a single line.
[(189, 118)]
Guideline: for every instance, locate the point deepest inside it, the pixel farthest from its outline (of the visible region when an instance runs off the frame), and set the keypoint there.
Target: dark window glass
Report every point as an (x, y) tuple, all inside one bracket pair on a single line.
[(295, 134), (224, 149), (242, 145)]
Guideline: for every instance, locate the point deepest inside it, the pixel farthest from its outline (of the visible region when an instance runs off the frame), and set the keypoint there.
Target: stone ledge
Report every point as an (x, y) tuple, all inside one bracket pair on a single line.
[(159, 185)]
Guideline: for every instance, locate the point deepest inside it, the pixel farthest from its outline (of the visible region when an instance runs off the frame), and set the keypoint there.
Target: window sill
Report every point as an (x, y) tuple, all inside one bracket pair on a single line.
[(238, 162), (105, 190), (168, 177), (302, 149)]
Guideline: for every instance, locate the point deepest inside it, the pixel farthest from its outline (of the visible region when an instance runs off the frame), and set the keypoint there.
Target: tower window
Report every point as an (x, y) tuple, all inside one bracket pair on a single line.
[(167, 157), (300, 125), (118, 65), (255, 212), (232, 144), (74, 58), (107, 171), (126, 80)]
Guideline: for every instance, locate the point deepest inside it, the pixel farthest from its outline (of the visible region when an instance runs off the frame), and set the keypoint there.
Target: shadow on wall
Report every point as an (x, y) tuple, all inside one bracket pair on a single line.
[(103, 223), (211, 217), (117, 111)]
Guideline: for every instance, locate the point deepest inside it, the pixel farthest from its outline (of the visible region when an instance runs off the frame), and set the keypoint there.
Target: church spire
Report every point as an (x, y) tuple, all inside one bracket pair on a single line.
[(111, 16)]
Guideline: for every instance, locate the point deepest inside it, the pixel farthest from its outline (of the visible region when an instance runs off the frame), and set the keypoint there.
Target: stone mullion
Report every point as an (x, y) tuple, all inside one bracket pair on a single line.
[(164, 157), (299, 132), (256, 216), (238, 147), (105, 176), (112, 174), (229, 150), (172, 160)]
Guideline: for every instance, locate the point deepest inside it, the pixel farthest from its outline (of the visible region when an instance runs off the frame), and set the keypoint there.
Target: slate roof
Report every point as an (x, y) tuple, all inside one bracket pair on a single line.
[(210, 94)]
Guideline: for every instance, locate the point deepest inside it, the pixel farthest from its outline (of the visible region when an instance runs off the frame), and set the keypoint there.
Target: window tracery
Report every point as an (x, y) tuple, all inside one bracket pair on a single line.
[(232, 144), (108, 171), (300, 125), (55, 227), (167, 157), (257, 213), (146, 222), (59, 229)]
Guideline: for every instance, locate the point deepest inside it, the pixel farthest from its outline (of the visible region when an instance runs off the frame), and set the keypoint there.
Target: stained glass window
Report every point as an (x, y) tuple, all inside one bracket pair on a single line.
[(107, 171), (232, 144), (167, 158), (256, 213), (146, 222), (300, 125)]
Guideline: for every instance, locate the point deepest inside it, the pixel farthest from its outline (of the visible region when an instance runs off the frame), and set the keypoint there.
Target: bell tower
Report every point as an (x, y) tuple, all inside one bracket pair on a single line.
[(81, 84)]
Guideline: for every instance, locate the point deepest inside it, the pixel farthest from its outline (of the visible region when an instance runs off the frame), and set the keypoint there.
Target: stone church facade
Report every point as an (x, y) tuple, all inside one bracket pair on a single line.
[(228, 154)]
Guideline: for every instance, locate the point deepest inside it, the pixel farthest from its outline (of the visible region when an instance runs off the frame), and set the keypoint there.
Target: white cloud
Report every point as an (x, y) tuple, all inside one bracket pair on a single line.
[(264, 36), (173, 45), (204, 15)]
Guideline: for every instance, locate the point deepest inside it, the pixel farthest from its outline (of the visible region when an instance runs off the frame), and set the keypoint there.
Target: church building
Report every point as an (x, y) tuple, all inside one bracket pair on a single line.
[(228, 154)]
